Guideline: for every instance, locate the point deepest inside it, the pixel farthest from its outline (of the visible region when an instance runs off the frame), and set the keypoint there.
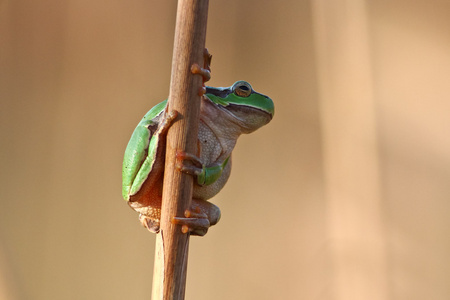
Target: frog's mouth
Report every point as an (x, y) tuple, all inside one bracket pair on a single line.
[(241, 111), (250, 118)]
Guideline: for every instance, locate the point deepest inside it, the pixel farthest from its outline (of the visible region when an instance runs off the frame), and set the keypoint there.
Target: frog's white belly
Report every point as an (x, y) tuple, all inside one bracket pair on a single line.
[(211, 150)]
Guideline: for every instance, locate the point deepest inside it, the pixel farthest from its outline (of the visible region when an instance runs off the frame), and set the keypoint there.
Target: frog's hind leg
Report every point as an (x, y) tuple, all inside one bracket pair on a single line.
[(149, 215)]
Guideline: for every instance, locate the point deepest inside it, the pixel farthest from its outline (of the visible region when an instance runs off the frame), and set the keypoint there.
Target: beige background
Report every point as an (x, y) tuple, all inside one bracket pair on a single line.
[(345, 195)]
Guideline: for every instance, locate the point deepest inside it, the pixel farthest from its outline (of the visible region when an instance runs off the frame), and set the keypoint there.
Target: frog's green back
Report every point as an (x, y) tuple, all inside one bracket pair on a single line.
[(133, 176)]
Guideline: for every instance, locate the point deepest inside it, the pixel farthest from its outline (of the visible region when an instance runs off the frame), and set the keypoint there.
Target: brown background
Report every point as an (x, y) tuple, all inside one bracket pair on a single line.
[(345, 195)]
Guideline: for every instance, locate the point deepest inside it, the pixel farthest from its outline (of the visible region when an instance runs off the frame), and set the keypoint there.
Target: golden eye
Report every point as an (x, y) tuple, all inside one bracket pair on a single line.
[(242, 89)]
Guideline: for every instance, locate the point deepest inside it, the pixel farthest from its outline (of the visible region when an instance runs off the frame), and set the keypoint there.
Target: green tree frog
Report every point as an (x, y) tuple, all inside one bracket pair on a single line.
[(225, 114)]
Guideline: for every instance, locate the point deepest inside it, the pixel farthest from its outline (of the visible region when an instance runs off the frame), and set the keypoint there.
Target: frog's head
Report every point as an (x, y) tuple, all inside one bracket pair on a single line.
[(250, 108)]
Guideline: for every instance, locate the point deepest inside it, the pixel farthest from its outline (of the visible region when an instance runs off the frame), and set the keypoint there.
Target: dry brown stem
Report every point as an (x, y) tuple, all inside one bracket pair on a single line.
[(172, 245)]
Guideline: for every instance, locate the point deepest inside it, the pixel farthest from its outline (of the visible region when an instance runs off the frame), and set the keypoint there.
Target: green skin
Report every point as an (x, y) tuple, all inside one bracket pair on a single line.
[(225, 113)]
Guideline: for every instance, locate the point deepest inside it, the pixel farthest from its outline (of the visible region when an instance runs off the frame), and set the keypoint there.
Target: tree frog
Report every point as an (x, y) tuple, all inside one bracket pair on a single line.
[(225, 114)]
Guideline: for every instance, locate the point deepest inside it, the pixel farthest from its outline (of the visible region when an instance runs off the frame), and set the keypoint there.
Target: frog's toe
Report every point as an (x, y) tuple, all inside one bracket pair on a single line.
[(205, 73), (191, 170), (194, 167), (195, 222), (183, 155)]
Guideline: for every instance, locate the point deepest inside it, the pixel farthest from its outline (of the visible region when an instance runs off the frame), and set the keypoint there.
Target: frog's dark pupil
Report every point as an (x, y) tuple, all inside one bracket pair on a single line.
[(243, 87)]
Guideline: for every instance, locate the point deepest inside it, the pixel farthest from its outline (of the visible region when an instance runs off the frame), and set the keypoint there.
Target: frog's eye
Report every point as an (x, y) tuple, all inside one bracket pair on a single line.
[(242, 89)]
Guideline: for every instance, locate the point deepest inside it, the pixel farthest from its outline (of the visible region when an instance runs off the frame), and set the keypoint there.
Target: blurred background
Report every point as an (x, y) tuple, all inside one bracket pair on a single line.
[(344, 195)]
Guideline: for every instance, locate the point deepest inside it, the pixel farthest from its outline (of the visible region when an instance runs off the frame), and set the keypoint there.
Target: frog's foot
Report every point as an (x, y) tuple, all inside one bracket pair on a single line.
[(205, 72), (198, 218), (151, 224), (196, 166), (195, 222)]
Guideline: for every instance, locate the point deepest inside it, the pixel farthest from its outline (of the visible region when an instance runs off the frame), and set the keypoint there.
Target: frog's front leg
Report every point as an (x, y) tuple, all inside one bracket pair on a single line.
[(206, 175), (201, 215)]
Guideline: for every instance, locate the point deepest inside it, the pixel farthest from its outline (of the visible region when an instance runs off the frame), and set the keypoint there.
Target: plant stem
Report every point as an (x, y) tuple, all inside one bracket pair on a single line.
[(172, 245)]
